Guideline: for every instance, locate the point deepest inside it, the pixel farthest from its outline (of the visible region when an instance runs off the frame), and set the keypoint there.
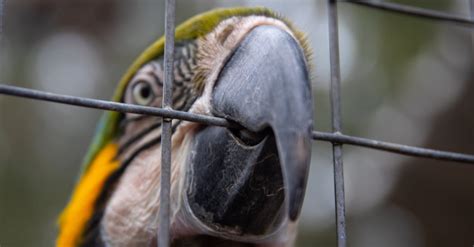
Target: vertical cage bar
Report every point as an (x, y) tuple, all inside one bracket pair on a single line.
[(2, 16), (164, 214), (471, 8), (471, 3), (336, 122), (2, 12)]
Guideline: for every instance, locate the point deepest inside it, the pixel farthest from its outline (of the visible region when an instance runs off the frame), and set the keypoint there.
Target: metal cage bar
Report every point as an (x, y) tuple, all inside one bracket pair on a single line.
[(164, 214), (414, 11), (336, 137), (335, 97), (2, 7), (471, 10), (209, 120)]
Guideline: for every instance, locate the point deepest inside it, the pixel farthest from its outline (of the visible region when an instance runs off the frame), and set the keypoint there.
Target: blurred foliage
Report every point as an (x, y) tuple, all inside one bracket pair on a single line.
[(389, 41)]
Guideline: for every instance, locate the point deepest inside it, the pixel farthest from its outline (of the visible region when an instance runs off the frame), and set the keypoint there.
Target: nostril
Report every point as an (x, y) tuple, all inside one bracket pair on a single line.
[(249, 138)]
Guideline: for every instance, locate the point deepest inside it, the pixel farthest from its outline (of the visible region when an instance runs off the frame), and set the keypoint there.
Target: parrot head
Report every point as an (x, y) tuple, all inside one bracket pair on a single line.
[(241, 184)]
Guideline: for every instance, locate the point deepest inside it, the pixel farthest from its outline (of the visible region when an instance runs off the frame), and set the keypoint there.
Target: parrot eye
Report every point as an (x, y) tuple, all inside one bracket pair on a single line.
[(142, 93)]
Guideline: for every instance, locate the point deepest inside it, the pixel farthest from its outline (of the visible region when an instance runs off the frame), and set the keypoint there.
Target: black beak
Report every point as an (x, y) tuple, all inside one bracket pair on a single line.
[(250, 181)]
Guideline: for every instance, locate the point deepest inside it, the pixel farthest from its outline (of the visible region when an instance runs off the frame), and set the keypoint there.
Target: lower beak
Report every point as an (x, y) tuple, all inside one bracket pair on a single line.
[(250, 181)]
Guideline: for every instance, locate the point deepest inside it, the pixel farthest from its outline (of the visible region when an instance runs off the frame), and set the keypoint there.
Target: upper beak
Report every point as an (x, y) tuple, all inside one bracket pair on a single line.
[(249, 181)]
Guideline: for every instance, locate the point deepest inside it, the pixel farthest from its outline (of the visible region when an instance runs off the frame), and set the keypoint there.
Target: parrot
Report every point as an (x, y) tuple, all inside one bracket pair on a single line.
[(237, 186)]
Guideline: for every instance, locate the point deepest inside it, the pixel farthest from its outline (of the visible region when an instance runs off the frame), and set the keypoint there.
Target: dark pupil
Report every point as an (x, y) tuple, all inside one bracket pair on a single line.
[(145, 91)]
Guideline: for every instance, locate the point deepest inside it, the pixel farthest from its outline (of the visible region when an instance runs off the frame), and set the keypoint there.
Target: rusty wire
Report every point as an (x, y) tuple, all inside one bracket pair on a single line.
[(337, 138)]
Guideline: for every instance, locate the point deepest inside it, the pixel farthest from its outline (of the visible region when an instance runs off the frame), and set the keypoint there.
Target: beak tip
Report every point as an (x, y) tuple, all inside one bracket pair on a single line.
[(296, 153), (295, 208)]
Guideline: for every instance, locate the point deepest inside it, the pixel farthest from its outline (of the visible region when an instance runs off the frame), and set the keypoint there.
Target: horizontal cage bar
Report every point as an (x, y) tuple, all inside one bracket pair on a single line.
[(210, 120), (414, 11)]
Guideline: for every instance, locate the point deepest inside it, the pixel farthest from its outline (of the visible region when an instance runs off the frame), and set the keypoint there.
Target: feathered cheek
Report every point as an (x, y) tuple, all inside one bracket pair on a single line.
[(131, 214)]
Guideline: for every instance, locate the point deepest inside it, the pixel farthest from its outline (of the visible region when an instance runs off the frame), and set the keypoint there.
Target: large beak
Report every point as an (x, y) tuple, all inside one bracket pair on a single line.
[(248, 182)]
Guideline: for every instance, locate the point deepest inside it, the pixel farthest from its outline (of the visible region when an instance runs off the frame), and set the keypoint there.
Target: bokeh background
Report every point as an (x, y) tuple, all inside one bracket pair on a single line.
[(404, 80)]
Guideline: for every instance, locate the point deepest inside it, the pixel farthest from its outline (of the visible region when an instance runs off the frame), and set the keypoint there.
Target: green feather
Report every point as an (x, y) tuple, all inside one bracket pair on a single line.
[(193, 28)]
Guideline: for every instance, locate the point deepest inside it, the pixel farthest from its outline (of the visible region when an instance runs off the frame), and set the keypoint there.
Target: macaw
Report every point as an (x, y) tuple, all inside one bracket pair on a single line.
[(241, 186)]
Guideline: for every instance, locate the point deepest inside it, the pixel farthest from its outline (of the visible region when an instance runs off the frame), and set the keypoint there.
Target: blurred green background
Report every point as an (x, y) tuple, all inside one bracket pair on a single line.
[(404, 80)]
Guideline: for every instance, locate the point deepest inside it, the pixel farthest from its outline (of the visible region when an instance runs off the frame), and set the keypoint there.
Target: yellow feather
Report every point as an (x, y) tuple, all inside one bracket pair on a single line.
[(81, 206)]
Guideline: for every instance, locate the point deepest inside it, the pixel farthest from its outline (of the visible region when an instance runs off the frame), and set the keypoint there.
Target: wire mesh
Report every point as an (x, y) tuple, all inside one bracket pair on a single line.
[(337, 138)]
